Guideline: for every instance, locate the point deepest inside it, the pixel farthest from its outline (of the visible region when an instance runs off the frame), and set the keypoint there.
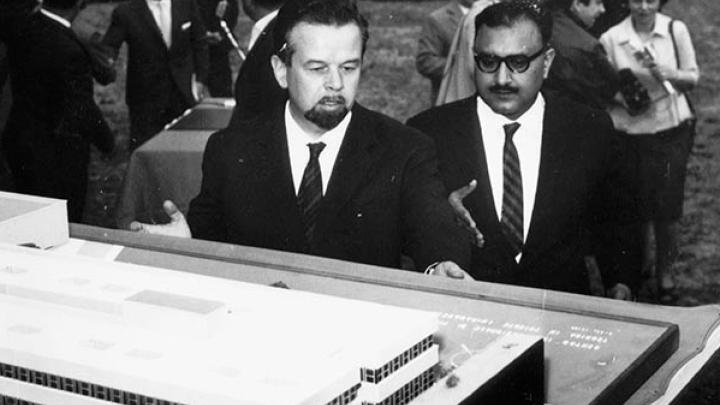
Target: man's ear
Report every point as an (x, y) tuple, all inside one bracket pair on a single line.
[(280, 71), (547, 61)]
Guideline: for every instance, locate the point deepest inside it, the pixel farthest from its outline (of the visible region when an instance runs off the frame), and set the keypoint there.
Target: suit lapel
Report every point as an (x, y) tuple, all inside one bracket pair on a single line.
[(473, 165), (546, 208), (273, 175), (356, 160), (145, 14)]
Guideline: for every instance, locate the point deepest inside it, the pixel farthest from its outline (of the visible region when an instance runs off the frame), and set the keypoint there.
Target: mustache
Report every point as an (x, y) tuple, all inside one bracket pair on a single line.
[(503, 89), (332, 99)]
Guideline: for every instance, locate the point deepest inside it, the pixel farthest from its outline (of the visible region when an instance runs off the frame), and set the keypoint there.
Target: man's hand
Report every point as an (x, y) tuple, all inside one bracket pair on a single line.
[(620, 292), (177, 226), (448, 269), (199, 90), (462, 215)]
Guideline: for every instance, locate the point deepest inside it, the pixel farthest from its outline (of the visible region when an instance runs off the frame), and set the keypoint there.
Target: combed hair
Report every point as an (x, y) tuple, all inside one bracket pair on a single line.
[(317, 12), (507, 13)]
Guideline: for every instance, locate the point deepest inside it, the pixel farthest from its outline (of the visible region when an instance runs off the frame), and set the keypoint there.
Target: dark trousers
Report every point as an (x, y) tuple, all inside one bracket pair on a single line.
[(59, 170), (147, 119), (219, 74)]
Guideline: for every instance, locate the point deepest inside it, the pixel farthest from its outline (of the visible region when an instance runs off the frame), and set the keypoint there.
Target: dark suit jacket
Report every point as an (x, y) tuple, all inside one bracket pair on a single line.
[(212, 23), (577, 170), (384, 196), (256, 90), (152, 68), (581, 69), (54, 117)]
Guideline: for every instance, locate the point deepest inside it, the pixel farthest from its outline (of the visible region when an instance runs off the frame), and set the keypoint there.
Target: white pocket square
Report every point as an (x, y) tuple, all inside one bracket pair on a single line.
[(186, 25)]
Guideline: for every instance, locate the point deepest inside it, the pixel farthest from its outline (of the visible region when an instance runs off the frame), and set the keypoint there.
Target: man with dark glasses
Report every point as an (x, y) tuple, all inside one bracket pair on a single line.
[(530, 166)]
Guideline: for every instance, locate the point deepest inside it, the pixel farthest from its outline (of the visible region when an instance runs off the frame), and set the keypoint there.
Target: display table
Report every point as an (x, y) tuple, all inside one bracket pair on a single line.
[(597, 350), (168, 166)]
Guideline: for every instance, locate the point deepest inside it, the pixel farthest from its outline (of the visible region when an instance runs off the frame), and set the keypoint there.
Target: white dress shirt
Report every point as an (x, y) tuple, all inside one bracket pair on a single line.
[(56, 17), (528, 142), (297, 141), (161, 11), (258, 28)]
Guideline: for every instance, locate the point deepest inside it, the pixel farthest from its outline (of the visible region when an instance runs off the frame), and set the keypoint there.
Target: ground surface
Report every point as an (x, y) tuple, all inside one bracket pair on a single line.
[(391, 84)]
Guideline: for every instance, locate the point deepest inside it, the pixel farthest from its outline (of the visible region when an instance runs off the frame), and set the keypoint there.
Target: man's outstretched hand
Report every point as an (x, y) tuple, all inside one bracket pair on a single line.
[(462, 215), (177, 226)]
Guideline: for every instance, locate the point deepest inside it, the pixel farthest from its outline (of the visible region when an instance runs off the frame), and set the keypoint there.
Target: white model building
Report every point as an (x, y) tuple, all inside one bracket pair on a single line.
[(82, 331)]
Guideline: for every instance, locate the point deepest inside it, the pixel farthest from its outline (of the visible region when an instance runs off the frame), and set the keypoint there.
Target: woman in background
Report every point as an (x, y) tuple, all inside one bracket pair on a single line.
[(660, 53)]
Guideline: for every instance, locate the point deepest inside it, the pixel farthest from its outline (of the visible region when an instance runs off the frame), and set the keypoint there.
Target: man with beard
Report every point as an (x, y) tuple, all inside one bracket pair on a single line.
[(320, 174), (536, 164)]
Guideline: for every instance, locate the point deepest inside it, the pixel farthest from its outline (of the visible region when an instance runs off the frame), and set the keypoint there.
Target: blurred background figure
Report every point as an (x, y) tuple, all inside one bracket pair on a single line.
[(581, 70), (54, 117), (167, 61), (660, 53), (434, 44), (615, 11), (219, 80), (12, 15), (256, 90), (458, 81)]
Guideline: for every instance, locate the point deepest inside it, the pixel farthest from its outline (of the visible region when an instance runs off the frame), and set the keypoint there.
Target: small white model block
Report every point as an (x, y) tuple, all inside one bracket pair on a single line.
[(39, 221)]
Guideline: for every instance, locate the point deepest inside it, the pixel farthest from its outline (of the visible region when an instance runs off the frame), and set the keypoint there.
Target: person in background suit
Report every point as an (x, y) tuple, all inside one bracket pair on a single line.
[(458, 79), (534, 164), (54, 118), (581, 70), (320, 174), (12, 16), (219, 78), (256, 89), (435, 39), (167, 61)]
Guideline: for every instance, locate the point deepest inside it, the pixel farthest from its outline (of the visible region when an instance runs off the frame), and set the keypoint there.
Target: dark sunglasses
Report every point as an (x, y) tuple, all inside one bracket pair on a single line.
[(488, 63)]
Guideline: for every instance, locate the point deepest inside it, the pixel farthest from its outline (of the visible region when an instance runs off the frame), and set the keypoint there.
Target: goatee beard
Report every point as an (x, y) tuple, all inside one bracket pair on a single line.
[(327, 119)]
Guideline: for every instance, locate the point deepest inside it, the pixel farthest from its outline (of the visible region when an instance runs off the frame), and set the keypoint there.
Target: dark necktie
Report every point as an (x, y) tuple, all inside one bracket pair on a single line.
[(511, 217), (310, 193)]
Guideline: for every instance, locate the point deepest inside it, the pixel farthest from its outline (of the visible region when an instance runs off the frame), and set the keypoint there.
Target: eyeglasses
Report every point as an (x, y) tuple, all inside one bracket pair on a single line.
[(488, 63)]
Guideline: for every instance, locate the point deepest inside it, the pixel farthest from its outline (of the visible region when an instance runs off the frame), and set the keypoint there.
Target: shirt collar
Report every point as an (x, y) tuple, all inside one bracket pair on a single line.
[(332, 138), (662, 22), (56, 17), (259, 27), (263, 22)]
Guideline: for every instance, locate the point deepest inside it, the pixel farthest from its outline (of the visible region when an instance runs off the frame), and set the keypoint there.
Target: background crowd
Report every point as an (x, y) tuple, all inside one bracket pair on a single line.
[(182, 69)]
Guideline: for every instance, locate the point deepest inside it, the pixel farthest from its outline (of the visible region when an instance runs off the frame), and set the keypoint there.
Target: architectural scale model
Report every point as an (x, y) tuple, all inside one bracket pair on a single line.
[(76, 330)]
